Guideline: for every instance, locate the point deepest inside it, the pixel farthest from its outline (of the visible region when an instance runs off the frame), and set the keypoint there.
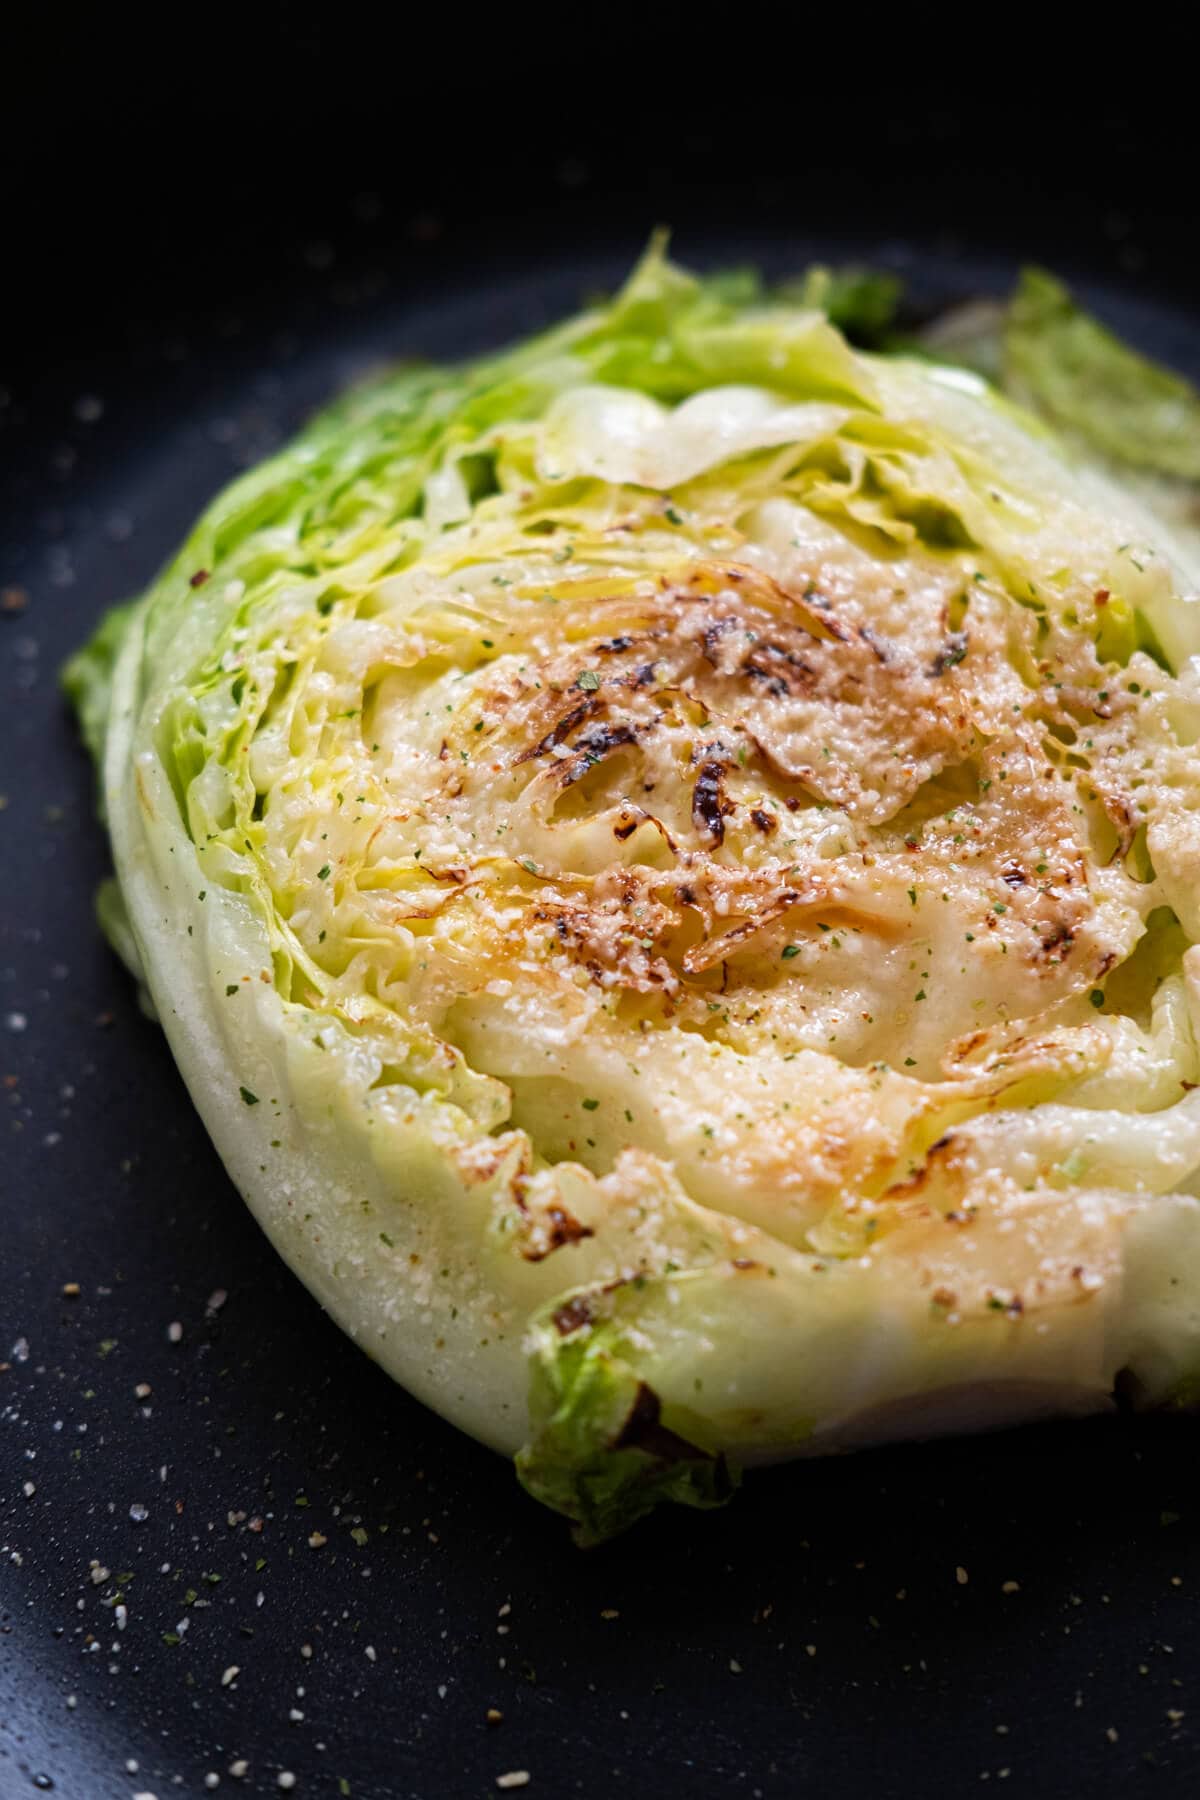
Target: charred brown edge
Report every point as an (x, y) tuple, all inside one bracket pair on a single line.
[(912, 1184), (572, 1315), (565, 1229), (709, 805), (643, 1430), (592, 746)]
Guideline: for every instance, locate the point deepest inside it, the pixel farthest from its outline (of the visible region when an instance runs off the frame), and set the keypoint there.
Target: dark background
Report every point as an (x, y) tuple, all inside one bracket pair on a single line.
[(208, 223)]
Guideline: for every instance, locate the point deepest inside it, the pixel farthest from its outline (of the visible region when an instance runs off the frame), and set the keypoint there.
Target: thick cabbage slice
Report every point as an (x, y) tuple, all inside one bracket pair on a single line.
[(667, 859)]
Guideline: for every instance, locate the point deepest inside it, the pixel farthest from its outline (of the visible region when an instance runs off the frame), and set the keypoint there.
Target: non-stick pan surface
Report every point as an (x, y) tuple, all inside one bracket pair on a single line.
[(232, 1554)]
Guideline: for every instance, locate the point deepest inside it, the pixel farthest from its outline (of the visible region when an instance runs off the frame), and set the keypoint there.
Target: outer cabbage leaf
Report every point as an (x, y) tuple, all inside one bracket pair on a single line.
[(87, 676), (1085, 379), (603, 1456)]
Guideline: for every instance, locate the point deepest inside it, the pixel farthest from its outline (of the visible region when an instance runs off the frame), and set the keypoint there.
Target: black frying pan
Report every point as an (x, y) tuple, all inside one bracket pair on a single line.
[(319, 1579)]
